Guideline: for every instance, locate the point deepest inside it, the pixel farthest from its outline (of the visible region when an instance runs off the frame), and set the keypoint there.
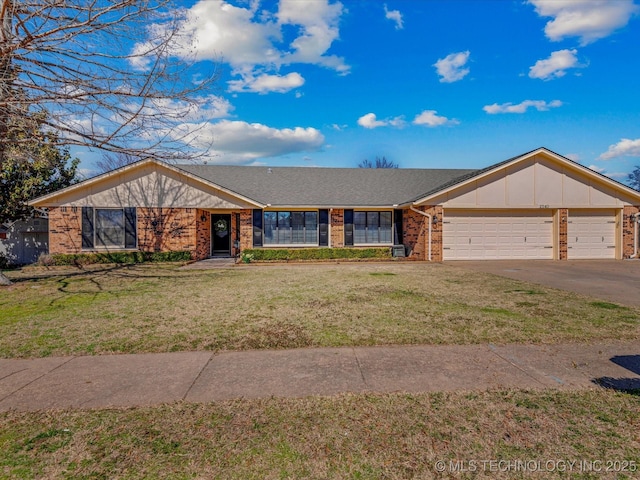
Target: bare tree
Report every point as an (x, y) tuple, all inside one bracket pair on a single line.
[(113, 75), (379, 163)]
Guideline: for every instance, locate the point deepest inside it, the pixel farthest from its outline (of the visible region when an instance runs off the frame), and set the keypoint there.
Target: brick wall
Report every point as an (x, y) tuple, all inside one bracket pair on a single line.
[(413, 235), (628, 231), (168, 229), (246, 229), (65, 230), (563, 224), (416, 233), (203, 235), (337, 228)]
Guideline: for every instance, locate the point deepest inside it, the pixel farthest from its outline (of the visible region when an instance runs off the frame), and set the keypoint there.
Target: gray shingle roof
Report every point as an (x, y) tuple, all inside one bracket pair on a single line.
[(328, 187)]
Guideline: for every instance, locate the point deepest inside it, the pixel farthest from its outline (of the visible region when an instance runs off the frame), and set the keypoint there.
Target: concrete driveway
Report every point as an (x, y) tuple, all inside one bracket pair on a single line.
[(611, 280)]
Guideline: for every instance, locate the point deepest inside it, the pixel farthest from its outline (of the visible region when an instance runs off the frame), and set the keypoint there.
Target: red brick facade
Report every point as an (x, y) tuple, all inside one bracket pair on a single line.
[(168, 229), (246, 229), (65, 230), (416, 233), (563, 222), (337, 228), (189, 229), (629, 231)]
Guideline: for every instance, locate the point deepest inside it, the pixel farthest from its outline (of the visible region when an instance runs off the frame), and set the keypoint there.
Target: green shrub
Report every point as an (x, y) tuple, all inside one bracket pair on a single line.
[(296, 254), (113, 257)]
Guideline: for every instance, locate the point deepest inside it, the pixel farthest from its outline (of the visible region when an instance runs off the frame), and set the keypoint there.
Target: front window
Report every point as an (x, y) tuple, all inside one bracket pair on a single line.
[(109, 227), (290, 228), (372, 227)]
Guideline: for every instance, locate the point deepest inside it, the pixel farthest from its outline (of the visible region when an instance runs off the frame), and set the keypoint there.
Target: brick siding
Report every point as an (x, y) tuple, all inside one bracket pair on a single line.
[(65, 230), (337, 228), (203, 235), (628, 231), (246, 229), (563, 224), (169, 229), (416, 233)]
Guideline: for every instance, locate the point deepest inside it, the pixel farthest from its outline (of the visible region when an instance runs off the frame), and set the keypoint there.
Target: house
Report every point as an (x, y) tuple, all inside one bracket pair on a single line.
[(538, 205), (22, 241)]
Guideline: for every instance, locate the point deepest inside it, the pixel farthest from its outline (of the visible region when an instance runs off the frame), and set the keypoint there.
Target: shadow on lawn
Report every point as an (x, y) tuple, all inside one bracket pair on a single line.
[(629, 385)]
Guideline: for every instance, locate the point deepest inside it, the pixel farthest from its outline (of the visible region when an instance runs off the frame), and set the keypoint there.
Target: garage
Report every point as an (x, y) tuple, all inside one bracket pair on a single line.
[(591, 234), (484, 235)]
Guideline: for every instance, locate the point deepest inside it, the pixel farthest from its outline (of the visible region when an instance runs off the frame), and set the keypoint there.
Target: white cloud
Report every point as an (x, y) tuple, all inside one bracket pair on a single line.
[(624, 148), (395, 16), (555, 66), (596, 168), (588, 19), (241, 142), (252, 40), (318, 23), (430, 118), (521, 107), (265, 83), (370, 121), (451, 68)]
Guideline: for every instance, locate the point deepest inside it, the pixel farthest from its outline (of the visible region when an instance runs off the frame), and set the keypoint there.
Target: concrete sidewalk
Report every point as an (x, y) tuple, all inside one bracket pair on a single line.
[(149, 379)]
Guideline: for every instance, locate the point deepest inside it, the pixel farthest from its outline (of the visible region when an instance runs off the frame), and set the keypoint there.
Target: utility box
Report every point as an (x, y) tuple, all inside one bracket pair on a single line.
[(398, 251)]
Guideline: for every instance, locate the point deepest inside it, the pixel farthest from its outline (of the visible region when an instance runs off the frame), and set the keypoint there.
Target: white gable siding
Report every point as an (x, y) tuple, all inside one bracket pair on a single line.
[(537, 182), (149, 186)]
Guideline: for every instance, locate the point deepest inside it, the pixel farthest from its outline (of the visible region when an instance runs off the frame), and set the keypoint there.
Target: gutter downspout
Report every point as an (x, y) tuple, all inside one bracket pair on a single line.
[(430, 217)]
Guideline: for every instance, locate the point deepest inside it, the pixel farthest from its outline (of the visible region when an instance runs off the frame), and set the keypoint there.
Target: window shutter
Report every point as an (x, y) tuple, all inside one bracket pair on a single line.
[(348, 227), (397, 230), (257, 228), (87, 227), (323, 228), (130, 237)]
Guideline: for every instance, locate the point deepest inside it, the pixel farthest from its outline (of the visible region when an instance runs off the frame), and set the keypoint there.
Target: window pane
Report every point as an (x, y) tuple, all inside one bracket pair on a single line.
[(297, 226), (109, 228), (386, 232), (359, 227), (372, 227), (284, 227), (311, 227), (270, 231)]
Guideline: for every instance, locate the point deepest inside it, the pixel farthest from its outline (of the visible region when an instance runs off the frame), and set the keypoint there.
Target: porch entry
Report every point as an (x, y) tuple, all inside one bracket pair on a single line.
[(220, 235)]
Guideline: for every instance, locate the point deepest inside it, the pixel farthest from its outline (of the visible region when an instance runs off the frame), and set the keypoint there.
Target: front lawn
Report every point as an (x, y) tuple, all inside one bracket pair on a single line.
[(160, 307), (504, 435)]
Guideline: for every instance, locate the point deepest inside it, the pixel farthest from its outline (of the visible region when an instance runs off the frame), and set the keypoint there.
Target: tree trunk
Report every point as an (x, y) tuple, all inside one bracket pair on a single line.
[(4, 281)]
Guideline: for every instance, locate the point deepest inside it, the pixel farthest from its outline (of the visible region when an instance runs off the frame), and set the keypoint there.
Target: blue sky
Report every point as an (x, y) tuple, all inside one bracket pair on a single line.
[(425, 83)]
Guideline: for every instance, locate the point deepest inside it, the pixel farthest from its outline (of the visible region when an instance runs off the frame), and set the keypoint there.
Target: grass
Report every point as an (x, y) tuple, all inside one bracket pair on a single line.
[(390, 436), (159, 308)]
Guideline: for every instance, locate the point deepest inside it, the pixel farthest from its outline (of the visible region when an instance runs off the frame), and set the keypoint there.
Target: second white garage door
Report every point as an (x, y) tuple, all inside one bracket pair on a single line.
[(591, 234), (469, 235)]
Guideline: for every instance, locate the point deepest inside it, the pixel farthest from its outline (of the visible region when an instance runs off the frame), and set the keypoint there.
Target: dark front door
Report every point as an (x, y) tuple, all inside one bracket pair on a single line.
[(220, 235)]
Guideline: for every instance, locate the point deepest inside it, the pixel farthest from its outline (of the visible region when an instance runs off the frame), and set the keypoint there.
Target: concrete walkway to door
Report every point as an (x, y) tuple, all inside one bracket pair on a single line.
[(615, 281)]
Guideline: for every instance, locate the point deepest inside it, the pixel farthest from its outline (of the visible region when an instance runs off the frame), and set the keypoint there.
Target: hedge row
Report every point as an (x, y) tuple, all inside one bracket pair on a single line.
[(284, 254), (113, 257)]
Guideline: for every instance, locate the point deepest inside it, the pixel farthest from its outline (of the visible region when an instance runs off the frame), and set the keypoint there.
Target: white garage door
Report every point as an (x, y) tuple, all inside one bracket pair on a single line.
[(591, 234), (471, 235)]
